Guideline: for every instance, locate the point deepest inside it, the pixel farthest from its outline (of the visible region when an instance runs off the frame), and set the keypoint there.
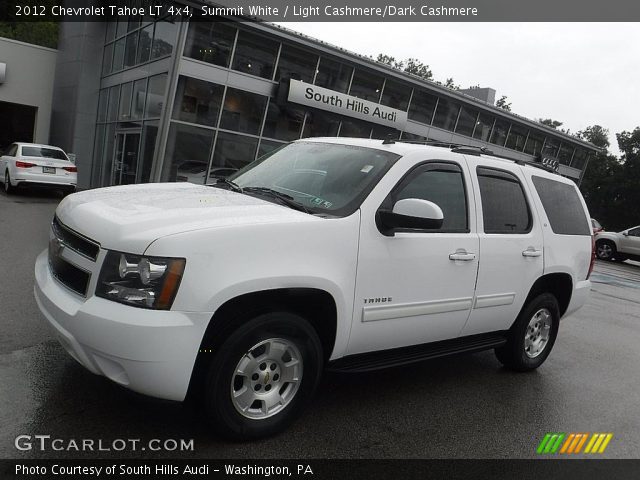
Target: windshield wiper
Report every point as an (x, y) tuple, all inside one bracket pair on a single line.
[(282, 197), (222, 181)]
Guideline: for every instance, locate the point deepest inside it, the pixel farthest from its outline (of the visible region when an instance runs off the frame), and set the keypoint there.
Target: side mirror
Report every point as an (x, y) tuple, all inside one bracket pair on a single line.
[(625, 233), (71, 157), (411, 213)]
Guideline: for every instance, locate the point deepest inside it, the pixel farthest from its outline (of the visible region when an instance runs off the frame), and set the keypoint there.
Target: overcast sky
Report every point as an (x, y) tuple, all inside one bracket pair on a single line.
[(578, 73)]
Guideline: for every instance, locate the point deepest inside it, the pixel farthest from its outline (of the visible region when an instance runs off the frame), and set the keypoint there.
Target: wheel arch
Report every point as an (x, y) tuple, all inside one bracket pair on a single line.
[(316, 305), (559, 284)]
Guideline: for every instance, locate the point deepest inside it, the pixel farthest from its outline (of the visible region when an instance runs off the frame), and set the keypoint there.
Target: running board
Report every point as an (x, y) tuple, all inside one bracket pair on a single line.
[(364, 362)]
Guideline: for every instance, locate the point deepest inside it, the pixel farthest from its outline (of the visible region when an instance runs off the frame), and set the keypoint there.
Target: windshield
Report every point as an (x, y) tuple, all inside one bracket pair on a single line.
[(44, 153), (323, 177)]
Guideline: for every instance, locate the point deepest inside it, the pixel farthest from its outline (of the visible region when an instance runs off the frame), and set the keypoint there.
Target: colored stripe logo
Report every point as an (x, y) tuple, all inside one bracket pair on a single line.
[(573, 443)]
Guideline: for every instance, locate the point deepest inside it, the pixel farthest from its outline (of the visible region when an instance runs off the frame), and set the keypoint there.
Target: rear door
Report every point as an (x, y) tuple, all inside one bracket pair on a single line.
[(511, 246)]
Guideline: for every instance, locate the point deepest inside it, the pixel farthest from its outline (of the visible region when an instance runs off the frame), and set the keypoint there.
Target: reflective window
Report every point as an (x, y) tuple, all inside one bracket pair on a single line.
[(413, 137), (568, 220), (155, 95), (112, 109), (381, 132), (164, 39), (551, 147), (579, 158), (137, 98), (355, 128), (517, 137), (187, 146), (107, 58), (467, 121), (144, 44), (566, 151), (118, 55), (111, 31), (483, 127), (446, 114), (149, 135), (198, 101), (443, 185), (124, 110), (500, 130), (283, 122), (134, 22), (211, 42), (321, 124), (297, 64), (121, 28), (98, 148), (267, 146), (255, 55), (243, 111), (366, 85), (333, 75), (534, 143), (422, 106), (233, 151), (504, 206), (130, 50), (396, 95), (102, 105)]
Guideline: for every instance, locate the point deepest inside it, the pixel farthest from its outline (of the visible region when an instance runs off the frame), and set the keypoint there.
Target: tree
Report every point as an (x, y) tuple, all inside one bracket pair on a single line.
[(37, 33), (549, 122), (595, 134), (411, 65), (502, 103), (451, 84)]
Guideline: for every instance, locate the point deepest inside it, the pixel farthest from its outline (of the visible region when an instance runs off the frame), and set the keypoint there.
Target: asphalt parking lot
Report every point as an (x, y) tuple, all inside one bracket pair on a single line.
[(461, 407)]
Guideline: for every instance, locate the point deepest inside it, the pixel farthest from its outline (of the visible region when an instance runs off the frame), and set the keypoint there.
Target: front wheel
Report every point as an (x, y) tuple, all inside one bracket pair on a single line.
[(263, 376), (606, 250), (532, 336)]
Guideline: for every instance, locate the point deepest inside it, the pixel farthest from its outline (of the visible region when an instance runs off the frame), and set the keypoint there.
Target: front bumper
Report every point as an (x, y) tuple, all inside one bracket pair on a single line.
[(149, 351)]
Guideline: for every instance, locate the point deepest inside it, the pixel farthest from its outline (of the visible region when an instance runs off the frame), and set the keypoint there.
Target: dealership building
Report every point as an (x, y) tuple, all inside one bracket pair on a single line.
[(144, 100)]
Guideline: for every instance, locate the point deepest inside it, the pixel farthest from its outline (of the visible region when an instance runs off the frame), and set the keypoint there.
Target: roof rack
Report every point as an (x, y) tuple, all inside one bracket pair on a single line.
[(550, 164)]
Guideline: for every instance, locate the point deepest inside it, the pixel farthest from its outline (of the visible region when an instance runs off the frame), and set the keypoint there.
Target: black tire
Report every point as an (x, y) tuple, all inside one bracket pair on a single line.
[(8, 188), (606, 250), (221, 379), (513, 354)]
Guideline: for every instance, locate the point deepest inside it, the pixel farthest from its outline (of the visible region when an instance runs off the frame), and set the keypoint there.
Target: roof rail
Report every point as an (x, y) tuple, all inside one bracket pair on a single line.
[(550, 164)]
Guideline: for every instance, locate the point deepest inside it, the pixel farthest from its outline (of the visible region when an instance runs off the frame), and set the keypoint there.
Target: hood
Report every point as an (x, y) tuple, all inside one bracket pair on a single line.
[(128, 218)]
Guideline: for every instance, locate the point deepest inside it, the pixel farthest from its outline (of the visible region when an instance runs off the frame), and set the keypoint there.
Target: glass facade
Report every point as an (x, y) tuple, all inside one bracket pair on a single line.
[(208, 129)]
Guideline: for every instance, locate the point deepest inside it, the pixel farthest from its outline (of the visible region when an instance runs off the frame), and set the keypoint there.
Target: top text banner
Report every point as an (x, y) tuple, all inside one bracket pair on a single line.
[(328, 10)]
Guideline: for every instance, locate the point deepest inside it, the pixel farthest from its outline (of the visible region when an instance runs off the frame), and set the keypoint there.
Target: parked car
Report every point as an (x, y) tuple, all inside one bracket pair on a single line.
[(31, 164), (597, 227), (336, 253), (619, 246)]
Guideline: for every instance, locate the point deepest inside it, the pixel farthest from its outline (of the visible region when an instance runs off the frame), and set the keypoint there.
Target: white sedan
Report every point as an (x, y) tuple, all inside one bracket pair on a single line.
[(37, 165)]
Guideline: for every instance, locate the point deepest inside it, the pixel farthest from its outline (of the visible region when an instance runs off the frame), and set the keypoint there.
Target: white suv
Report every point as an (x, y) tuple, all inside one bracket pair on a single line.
[(334, 253)]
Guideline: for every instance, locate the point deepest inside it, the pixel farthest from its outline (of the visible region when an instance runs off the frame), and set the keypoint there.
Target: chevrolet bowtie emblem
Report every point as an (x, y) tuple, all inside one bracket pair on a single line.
[(56, 246)]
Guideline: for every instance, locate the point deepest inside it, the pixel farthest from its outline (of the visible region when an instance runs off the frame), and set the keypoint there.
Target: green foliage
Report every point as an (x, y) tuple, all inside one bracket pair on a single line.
[(37, 33), (503, 104), (549, 122), (611, 185), (411, 65)]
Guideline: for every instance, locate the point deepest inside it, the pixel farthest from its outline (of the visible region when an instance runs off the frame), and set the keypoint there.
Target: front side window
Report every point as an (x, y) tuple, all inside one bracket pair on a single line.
[(325, 178), (504, 206), (442, 184), (634, 232)]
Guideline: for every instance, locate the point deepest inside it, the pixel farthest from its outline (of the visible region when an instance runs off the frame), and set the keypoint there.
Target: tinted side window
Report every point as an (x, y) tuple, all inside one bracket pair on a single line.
[(635, 232), (563, 207), (504, 206), (442, 184)]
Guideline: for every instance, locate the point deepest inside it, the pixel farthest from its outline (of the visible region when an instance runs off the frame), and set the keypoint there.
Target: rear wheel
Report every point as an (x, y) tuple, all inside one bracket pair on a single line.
[(8, 188), (532, 336), (606, 250), (263, 375)]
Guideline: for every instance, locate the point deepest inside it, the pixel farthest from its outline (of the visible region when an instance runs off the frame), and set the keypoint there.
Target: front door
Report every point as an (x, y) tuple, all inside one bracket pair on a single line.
[(418, 285), (630, 243), (125, 162)]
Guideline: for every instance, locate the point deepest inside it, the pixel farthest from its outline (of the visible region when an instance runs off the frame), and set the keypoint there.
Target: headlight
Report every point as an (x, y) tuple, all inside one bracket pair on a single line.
[(148, 282)]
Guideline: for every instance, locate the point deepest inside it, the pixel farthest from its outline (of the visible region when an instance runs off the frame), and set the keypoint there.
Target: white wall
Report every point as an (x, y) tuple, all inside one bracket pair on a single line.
[(29, 80)]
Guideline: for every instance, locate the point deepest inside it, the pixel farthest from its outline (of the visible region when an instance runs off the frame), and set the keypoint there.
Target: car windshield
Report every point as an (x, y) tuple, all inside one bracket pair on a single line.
[(43, 152), (323, 177)]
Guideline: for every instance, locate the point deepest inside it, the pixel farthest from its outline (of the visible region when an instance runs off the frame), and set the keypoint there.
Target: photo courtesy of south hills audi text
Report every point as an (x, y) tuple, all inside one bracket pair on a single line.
[(317, 238)]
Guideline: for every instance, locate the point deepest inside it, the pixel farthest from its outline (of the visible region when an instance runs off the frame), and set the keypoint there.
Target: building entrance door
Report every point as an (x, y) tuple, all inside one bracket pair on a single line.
[(125, 161)]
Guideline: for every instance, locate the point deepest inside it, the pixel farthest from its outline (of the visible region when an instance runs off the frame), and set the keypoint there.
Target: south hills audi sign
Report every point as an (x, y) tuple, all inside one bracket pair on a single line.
[(335, 102)]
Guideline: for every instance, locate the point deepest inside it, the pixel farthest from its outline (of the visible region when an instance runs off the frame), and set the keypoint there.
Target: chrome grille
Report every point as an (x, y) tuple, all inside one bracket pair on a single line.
[(76, 242)]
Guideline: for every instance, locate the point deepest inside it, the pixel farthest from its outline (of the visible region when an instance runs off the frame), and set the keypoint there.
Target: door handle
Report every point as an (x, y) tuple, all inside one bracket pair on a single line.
[(463, 255), (531, 252)]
